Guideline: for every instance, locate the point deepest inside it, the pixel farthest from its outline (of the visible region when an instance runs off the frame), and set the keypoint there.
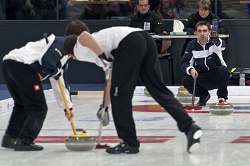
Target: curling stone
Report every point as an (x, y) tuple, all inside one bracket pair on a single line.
[(184, 96), (146, 93), (80, 142), (221, 108)]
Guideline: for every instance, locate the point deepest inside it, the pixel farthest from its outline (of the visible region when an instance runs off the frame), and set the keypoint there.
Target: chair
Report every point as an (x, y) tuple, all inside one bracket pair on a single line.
[(170, 72)]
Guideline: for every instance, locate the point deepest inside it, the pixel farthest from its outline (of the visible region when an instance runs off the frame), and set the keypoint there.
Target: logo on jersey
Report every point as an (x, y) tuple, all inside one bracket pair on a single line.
[(36, 87)]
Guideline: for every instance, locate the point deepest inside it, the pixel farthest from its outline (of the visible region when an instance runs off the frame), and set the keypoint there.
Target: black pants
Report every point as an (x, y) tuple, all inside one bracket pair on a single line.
[(30, 106), (137, 55), (216, 79)]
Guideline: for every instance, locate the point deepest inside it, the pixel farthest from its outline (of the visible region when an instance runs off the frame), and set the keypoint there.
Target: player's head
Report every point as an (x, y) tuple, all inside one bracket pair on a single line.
[(75, 28), (204, 8), (143, 6), (69, 44), (203, 30), (203, 23)]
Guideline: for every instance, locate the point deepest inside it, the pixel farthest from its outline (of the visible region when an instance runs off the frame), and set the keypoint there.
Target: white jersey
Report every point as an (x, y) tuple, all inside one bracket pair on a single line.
[(31, 52), (45, 60), (108, 39)]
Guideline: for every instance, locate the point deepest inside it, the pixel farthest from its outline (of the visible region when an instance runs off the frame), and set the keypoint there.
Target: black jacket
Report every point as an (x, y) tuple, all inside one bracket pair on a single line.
[(191, 21), (156, 25)]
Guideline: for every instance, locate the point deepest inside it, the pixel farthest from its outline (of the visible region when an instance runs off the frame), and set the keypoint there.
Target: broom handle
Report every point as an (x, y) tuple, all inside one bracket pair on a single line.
[(66, 106), (63, 94), (106, 100), (106, 93), (193, 91)]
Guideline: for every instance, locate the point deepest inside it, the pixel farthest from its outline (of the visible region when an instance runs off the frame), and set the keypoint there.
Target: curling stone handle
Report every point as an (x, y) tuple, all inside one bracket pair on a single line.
[(82, 130), (66, 106)]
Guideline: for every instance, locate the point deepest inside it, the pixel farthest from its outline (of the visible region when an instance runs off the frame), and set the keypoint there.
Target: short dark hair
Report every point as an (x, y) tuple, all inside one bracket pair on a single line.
[(75, 28), (205, 4), (137, 2), (203, 22), (69, 44)]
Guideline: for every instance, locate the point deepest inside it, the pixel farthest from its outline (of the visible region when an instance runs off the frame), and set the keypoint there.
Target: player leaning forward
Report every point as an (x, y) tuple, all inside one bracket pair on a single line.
[(134, 53), (23, 69)]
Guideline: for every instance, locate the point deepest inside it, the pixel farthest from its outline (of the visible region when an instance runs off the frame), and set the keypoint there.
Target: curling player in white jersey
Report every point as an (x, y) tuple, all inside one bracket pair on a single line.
[(23, 69), (133, 52)]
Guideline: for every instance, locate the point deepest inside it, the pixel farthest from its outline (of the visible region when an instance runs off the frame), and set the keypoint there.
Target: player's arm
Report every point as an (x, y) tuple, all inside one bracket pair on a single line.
[(87, 40)]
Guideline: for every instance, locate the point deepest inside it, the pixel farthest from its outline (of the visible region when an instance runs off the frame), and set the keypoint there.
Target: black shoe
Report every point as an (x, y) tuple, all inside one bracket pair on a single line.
[(123, 147), (193, 137), (22, 146), (8, 141), (203, 100)]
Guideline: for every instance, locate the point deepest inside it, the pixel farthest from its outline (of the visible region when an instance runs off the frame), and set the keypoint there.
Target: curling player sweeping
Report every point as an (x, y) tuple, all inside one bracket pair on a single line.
[(76, 28), (23, 70), (133, 52)]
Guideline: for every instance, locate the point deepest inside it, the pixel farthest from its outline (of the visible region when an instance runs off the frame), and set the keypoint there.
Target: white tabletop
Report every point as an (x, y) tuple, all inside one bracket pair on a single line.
[(182, 36), (244, 2)]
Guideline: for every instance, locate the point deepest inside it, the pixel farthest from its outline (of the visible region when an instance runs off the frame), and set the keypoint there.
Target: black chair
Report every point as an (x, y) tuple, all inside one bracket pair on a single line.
[(170, 72)]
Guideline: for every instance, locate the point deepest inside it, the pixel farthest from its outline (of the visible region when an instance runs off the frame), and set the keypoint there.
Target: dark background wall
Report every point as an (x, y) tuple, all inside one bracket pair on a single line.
[(15, 34)]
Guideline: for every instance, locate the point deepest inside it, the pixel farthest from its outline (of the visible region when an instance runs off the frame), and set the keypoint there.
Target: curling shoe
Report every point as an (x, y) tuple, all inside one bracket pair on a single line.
[(193, 137), (123, 147), (8, 141), (22, 146), (203, 100), (222, 101)]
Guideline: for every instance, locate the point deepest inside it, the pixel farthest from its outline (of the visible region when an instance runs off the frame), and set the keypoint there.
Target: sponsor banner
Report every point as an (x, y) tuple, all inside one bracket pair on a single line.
[(1, 106), (8, 104), (49, 95)]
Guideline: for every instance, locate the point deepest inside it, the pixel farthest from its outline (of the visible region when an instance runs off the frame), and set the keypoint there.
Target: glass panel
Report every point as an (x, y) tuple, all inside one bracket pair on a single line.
[(97, 9), (107, 9), (34, 9)]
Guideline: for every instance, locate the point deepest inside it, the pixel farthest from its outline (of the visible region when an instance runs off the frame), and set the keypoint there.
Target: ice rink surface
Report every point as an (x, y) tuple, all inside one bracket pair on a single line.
[(225, 140)]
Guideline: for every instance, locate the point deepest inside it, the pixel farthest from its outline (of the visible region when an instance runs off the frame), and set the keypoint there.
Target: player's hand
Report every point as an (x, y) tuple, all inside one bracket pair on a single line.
[(165, 33), (57, 76), (215, 40), (194, 73), (69, 116), (104, 57)]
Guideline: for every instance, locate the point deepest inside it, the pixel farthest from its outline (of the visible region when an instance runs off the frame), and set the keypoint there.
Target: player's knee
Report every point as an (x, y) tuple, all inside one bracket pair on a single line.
[(223, 71), (186, 81)]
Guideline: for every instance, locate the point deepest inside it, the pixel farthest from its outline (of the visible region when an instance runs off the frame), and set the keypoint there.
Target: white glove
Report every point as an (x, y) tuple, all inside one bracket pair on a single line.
[(99, 62)]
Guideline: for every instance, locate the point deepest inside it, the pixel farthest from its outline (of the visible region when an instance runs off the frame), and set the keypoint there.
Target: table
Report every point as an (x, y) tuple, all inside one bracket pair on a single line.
[(183, 36), (244, 2)]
